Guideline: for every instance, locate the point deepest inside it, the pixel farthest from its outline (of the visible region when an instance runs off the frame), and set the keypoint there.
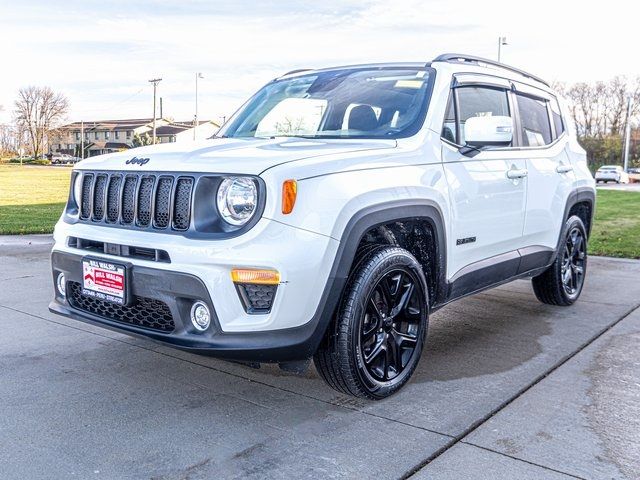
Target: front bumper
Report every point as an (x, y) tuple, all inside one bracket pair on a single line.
[(178, 291)]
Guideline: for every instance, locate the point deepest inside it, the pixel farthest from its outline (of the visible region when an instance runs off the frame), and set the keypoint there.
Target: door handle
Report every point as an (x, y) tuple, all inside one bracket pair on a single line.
[(564, 168), (515, 173)]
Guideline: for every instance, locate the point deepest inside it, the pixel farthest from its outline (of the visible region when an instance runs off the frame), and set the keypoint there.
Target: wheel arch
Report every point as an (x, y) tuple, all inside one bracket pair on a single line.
[(581, 202), (380, 215)]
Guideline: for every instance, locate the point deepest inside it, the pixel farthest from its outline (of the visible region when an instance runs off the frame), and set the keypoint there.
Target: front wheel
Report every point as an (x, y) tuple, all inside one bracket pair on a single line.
[(561, 284), (374, 344)]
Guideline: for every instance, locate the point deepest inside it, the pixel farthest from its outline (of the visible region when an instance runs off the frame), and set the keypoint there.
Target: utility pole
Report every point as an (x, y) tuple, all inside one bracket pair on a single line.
[(155, 82), (82, 139), (501, 42), (627, 134), (195, 119)]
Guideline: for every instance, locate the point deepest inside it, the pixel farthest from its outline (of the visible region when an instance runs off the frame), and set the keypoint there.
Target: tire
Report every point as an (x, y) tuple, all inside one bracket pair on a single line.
[(561, 284), (374, 343)]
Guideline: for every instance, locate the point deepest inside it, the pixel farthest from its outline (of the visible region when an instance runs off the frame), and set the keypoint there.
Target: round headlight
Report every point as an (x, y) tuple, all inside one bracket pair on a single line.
[(237, 199), (77, 189)]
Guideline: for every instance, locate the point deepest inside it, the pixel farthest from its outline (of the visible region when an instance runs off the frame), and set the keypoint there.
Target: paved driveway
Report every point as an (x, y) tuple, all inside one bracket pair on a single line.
[(508, 388)]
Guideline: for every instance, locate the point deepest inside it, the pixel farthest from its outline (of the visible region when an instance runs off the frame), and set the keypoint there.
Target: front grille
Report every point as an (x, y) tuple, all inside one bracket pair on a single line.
[(143, 312), (137, 200)]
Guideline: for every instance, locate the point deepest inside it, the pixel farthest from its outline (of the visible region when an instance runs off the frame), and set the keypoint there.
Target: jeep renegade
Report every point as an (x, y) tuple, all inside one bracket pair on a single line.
[(330, 216)]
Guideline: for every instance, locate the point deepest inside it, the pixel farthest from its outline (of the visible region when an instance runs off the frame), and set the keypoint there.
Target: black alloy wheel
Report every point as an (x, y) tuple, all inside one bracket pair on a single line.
[(573, 262), (390, 325)]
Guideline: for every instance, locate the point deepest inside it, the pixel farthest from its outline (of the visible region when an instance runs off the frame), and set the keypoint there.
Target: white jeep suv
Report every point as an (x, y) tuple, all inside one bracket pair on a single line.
[(333, 213)]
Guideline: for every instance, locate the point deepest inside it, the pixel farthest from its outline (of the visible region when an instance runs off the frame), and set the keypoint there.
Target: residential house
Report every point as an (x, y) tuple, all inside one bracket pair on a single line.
[(108, 136)]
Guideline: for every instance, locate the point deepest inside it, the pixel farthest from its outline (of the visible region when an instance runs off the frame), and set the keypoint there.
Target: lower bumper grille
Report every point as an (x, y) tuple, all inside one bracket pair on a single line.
[(256, 298), (143, 312)]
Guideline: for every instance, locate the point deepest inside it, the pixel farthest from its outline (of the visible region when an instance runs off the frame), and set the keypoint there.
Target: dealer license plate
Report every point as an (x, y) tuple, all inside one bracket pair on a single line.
[(104, 281)]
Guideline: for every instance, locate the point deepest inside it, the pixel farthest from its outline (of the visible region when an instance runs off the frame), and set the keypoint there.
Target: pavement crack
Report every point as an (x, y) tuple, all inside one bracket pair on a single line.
[(477, 424), (522, 460)]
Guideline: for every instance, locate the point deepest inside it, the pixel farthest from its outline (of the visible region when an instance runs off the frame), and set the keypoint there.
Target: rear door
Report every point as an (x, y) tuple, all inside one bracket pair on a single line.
[(542, 137), (487, 188)]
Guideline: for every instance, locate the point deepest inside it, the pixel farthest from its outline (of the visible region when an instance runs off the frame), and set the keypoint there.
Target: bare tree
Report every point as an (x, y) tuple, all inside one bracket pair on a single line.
[(38, 111)]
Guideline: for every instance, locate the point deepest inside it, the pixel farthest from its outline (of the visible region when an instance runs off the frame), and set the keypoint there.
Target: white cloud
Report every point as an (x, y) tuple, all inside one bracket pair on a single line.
[(101, 54)]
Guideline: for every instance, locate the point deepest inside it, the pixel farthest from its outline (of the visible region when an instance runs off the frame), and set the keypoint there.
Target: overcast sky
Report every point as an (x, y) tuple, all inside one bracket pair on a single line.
[(101, 53)]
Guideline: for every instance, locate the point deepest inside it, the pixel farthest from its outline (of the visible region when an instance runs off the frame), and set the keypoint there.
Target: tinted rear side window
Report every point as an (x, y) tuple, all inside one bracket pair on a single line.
[(534, 119)]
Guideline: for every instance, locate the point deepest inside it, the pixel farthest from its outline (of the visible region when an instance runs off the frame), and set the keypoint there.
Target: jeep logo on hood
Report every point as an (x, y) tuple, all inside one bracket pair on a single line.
[(137, 161)]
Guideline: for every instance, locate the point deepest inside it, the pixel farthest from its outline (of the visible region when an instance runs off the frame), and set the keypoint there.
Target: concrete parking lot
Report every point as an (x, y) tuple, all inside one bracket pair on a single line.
[(507, 388)]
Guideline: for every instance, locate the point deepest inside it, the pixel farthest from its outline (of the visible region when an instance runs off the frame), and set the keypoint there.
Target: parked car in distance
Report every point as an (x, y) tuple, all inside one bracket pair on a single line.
[(63, 159), (331, 216), (612, 173), (634, 171)]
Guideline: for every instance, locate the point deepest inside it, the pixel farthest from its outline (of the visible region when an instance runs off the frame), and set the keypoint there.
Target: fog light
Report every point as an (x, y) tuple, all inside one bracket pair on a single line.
[(200, 316), (61, 285)]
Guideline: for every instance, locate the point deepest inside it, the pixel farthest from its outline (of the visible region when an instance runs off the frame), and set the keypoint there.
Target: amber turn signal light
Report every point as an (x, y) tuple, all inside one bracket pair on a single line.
[(255, 276), (289, 193)]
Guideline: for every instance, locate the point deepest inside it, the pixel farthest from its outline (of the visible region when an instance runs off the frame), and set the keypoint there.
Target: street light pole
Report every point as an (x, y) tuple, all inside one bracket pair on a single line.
[(155, 82), (82, 139), (501, 41), (195, 118), (627, 134)]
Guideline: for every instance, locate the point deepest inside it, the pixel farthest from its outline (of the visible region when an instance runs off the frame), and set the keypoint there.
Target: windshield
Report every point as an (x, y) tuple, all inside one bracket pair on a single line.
[(349, 103)]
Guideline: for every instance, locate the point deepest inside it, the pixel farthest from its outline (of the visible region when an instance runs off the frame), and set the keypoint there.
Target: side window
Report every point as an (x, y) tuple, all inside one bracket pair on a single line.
[(558, 124), (534, 119), (480, 102), (449, 123)]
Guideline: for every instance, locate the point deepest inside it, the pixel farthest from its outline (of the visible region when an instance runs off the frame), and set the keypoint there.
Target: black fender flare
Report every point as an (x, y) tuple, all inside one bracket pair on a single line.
[(579, 195), (354, 231)]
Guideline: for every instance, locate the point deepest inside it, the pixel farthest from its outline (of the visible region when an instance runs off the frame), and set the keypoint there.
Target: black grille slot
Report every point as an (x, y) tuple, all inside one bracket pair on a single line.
[(129, 200), (143, 312), (98, 197), (87, 182), (144, 201), (113, 198), (256, 298), (182, 204), (162, 207)]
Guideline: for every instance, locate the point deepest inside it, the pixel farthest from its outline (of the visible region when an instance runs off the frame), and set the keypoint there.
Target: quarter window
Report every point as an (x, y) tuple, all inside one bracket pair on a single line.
[(534, 121), (558, 124), (449, 124), (480, 102)]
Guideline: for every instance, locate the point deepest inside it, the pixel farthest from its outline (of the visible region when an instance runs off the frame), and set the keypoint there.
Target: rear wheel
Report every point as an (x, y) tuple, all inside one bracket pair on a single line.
[(376, 340), (562, 282)]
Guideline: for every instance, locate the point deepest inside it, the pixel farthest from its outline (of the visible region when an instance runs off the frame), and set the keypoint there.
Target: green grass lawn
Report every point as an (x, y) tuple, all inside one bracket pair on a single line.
[(32, 199), (616, 229)]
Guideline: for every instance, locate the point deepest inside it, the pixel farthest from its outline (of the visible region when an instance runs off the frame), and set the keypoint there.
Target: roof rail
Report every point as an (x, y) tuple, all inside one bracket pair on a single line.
[(462, 58), (297, 71)]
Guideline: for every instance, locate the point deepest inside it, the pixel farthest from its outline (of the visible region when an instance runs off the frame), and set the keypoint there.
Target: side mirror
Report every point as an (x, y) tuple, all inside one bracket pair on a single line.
[(488, 131)]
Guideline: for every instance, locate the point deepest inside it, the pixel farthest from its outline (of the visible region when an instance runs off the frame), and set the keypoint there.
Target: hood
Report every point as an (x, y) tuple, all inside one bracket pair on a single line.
[(250, 156)]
